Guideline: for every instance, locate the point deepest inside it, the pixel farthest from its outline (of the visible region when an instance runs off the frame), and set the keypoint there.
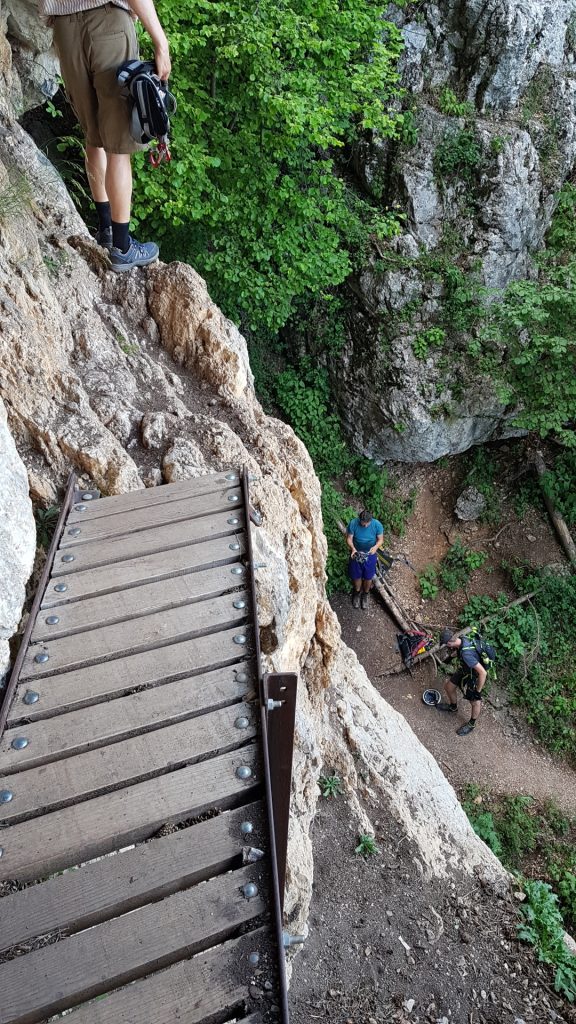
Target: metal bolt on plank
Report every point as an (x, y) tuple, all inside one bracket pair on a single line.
[(87, 496), (241, 677), (74, 532), (249, 890), (79, 508), (52, 620), (244, 771), (6, 795), (246, 828), (254, 958), (42, 658), (237, 570), (60, 588), (67, 558), (234, 547), (242, 722), (231, 476), (233, 497), (30, 697), (1, 851), (239, 638), (239, 604), (19, 743), (233, 521), (292, 940)]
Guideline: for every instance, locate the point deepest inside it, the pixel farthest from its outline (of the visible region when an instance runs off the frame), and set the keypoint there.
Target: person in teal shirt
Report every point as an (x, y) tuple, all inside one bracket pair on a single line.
[(364, 537)]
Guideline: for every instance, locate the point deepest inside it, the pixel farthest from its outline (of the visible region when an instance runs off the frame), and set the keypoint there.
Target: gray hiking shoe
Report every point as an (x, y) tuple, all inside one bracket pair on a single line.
[(465, 729), (355, 600), (364, 602), (104, 238), (445, 706), (139, 254)]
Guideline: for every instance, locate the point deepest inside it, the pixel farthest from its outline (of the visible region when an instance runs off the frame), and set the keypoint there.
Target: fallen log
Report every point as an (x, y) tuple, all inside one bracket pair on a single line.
[(558, 520), (461, 632)]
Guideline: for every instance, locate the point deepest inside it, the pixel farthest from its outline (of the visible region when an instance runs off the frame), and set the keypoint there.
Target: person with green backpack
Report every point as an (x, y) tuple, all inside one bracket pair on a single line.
[(475, 660)]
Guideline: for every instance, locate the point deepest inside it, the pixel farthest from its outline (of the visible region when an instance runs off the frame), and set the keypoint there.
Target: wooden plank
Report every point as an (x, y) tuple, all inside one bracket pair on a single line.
[(134, 545), (85, 775), (148, 517), (68, 972), (116, 884), (146, 632), (133, 572), (118, 504), (37, 848), (85, 686), (151, 597), (53, 738), (210, 986)]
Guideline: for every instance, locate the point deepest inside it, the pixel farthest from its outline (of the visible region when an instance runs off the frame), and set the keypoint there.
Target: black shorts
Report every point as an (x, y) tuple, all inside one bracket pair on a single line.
[(466, 682)]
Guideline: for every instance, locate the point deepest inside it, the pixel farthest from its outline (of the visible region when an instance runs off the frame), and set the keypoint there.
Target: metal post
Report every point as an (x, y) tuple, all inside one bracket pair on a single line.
[(279, 692)]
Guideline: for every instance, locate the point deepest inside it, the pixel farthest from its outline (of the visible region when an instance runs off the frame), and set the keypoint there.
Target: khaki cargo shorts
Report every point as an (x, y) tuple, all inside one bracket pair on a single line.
[(91, 45)]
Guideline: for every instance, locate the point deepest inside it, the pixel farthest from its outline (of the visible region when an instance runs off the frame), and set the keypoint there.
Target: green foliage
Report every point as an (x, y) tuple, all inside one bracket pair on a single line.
[(458, 157), (266, 95), (543, 928), (330, 785), (458, 564), (366, 845), (46, 520), (497, 144), (482, 474), (304, 397), (535, 645), (434, 337), (560, 485), (449, 103), (428, 581)]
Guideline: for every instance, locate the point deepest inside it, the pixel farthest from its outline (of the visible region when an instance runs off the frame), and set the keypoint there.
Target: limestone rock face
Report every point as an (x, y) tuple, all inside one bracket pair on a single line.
[(512, 62), (17, 539)]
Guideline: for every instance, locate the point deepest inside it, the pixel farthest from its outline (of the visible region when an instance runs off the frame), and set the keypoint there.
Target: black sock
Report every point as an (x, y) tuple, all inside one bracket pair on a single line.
[(120, 236), (104, 215), (472, 722)]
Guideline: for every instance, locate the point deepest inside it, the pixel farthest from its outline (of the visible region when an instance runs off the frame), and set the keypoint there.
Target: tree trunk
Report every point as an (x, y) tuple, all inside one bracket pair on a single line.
[(559, 523)]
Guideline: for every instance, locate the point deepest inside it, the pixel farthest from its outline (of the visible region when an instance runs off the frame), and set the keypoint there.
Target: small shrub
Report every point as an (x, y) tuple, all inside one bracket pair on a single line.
[(366, 845), (458, 157), (543, 928), (451, 105), (433, 337), (46, 520), (330, 785), (458, 564), (428, 581)]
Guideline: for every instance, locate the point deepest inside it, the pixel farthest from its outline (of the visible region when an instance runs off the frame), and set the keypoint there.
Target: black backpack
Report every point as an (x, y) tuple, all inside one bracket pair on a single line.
[(485, 651), (151, 102)]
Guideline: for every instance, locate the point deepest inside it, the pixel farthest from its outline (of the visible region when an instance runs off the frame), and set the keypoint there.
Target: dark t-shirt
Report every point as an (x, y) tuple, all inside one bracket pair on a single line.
[(468, 657)]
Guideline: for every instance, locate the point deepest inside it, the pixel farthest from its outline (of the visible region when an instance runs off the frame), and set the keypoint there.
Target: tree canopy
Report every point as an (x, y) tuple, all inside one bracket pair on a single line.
[(267, 91)]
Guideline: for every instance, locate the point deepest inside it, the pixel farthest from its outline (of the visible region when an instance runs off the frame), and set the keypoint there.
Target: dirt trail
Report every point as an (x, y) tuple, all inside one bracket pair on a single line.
[(501, 753)]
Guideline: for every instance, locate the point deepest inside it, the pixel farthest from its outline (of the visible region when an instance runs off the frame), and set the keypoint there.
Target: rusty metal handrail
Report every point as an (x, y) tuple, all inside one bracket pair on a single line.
[(276, 889), (15, 674)]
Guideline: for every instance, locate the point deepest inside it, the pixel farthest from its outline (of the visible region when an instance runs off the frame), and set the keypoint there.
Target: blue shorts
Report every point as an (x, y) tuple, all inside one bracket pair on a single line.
[(362, 570)]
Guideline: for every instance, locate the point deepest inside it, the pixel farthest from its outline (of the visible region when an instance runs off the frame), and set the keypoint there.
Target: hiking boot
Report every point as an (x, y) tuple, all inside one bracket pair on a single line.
[(445, 706), (355, 599), (139, 254), (104, 238), (465, 729), (364, 602)]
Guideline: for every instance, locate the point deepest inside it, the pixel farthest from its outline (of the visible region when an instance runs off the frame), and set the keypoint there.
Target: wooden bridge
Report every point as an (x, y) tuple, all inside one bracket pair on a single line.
[(145, 772)]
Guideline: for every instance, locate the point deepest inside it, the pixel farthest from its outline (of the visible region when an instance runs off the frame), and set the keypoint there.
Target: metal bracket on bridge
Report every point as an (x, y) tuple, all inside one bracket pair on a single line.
[(279, 700), (82, 499), (255, 515)]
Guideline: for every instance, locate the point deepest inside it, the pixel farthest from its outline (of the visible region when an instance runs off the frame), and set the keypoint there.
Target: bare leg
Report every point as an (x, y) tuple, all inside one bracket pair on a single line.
[(451, 692), (119, 186), (95, 162), (475, 709)]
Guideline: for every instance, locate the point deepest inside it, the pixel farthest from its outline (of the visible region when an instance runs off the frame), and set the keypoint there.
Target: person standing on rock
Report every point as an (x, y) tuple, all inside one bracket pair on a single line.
[(92, 38), (470, 677), (364, 537)]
